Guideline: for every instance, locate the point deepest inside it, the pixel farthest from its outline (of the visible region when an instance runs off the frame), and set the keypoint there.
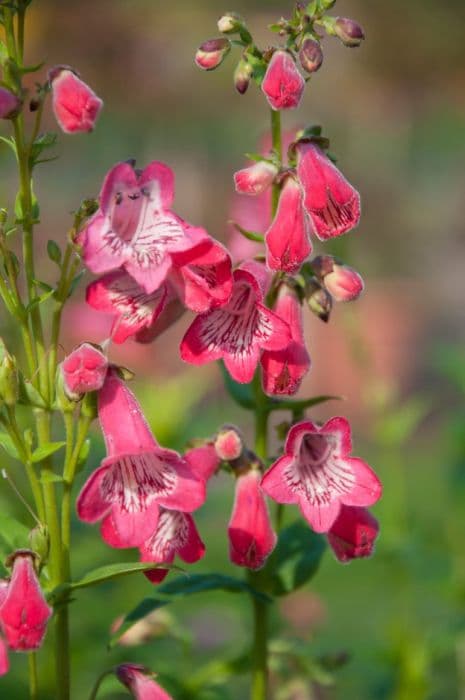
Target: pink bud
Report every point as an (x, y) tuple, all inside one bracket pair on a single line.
[(9, 104), (84, 370), (228, 443), (251, 535), (283, 85), (341, 281), (139, 680), (256, 178), (24, 612), (75, 105), (353, 533), (349, 31), (310, 55), (211, 53)]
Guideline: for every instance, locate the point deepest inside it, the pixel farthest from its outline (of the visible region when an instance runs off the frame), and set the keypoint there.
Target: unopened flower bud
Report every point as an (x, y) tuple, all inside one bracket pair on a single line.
[(342, 282), (9, 382), (256, 178), (230, 23), (242, 76), (75, 104), (310, 55), (283, 85), (349, 31), (84, 370), (10, 104), (318, 299), (228, 443), (211, 53), (40, 541)]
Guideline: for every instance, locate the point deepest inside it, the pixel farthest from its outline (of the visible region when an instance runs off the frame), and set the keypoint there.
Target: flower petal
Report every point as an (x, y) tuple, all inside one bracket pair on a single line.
[(91, 505), (288, 238), (129, 528), (275, 485)]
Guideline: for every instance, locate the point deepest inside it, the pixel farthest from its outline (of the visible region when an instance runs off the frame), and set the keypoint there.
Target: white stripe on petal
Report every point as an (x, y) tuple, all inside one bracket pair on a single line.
[(133, 481)]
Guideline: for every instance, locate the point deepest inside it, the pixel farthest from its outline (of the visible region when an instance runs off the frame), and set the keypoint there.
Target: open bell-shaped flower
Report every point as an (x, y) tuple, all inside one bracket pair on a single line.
[(24, 612), (140, 681), (331, 202), (353, 533), (317, 473), (239, 331), (75, 104), (137, 476), (283, 85)]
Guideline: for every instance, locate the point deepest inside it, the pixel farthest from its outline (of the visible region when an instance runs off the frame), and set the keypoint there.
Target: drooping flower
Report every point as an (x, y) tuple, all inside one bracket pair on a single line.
[(10, 104), (238, 331), (283, 85), (342, 282), (202, 275), (140, 681), (137, 476), (75, 105), (317, 473), (331, 202), (283, 370), (255, 179), (84, 370), (24, 612), (134, 310), (251, 535), (288, 238), (176, 533), (353, 533), (212, 53), (134, 227)]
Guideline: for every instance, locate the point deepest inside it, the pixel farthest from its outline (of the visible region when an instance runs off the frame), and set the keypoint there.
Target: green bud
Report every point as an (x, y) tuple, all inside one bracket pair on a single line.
[(40, 541), (89, 405), (63, 401), (9, 383), (318, 299)]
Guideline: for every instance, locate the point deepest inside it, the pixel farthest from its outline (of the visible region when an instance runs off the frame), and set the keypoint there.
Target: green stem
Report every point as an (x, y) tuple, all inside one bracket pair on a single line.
[(259, 690), (33, 679), (98, 683), (277, 145)]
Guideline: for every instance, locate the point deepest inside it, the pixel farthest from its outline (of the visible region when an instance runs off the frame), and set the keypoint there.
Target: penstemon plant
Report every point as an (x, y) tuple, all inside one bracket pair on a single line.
[(151, 267)]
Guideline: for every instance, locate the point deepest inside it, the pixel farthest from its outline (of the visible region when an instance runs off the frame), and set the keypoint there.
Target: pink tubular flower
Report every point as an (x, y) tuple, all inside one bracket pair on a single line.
[(134, 310), (176, 533), (283, 370), (251, 536), (238, 331), (331, 202), (10, 104), (317, 473), (75, 105), (134, 227), (137, 475), (202, 275), (84, 370), (256, 178), (283, 85), (139, 680), (288, 238), (24, 612), (353, 533)]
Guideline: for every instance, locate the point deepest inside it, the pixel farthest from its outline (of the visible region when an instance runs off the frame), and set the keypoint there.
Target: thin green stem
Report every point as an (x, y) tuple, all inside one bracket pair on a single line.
[(259, 689), (98, 683), (33, 678), (277, 145)]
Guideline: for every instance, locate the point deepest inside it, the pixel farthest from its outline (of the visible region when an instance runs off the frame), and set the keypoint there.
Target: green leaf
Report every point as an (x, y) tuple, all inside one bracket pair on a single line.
[(241, 393), (44, 451), (199, 583), (9, 142), (106, 573), (75, 282), (8, 445), (250, 235), (13, 535), (83, 455), (295, 560), (300, 405), (28, 394), (54, 252), (44, 141), (142, 609), (39, 300)]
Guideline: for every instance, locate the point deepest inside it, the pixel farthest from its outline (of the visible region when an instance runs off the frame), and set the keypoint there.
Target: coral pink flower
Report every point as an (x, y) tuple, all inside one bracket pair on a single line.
[(176, 533), (353, 533), (317, 472), (139, 680), (137, 475), (283, 370), (202, 275), (134, 310), (288, 238), (75, 105), (283, 85), (10, 104), (24, 612), (331, 202), (238, 331), (256, 178), (251, 536), (84, 370), (134, 226)]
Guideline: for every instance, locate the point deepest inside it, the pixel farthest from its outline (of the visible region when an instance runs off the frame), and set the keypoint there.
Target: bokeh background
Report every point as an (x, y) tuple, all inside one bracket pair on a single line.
[(395, 112)]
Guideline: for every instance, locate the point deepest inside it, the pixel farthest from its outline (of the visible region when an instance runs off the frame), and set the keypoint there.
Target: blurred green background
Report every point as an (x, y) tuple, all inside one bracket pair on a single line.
[(394, 110)]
